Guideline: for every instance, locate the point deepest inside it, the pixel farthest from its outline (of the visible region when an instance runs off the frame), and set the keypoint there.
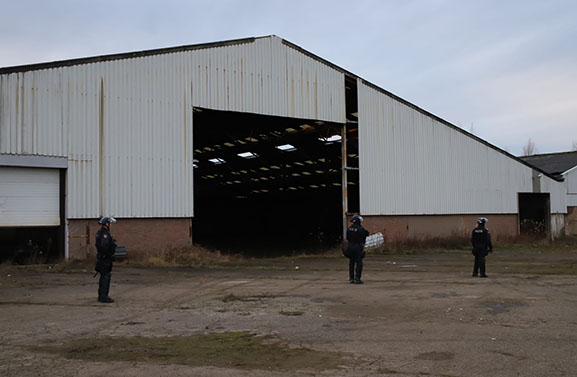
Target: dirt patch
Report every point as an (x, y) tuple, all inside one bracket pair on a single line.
[(239, 350), (498, 307), (435, 356), (232, 297)]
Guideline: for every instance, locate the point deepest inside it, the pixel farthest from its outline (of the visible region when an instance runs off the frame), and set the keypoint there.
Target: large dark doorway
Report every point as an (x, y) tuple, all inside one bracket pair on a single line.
[(266, 185), (534, 214)]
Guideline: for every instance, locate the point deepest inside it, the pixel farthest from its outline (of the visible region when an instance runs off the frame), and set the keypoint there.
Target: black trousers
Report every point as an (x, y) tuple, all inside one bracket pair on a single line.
[(104, 284), (479, 264), (105, 276), (355, 266)]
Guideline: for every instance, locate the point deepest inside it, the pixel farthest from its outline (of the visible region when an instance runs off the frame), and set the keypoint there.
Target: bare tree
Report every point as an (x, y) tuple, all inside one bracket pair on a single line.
[(574, 146), (530, 148)]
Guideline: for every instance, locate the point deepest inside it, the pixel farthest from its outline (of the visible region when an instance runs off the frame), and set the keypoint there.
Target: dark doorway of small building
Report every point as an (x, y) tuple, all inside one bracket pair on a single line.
[(30, 245), (534, 214), (266, 185)]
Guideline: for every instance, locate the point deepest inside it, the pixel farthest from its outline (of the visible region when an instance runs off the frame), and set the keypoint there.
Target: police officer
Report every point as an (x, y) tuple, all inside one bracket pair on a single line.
[(356, 236), (106, 247), (481, 240)]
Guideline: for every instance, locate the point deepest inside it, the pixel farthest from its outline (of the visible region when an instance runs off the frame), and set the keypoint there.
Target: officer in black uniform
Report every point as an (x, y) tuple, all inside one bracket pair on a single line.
[(356, 236), (481, 240), (106, 247)]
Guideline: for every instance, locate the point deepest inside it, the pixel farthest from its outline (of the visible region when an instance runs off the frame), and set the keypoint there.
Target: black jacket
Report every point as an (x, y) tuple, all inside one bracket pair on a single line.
[(105, 244), (357, 234), (481, 240)]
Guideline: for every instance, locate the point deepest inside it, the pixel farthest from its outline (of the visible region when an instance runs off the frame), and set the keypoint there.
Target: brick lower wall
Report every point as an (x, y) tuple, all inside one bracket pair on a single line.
[(137, 235), (403, 229)]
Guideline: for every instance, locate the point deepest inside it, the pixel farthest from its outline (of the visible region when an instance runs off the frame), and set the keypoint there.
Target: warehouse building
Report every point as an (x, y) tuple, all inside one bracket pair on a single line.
[(245, 143)]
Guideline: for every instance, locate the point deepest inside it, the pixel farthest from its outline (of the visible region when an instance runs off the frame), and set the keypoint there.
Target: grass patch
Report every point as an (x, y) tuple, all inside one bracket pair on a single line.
[(239, 350), (195, 256), (291, 313)]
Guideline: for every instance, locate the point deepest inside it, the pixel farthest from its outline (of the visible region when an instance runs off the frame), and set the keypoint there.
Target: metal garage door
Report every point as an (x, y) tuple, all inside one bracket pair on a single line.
[(29, 197)]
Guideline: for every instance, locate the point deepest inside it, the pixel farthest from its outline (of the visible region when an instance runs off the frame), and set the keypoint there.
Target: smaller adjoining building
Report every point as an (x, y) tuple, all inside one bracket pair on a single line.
[(562, 165)]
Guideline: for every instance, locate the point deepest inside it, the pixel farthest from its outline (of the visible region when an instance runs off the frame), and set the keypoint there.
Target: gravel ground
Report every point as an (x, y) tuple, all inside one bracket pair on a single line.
[(416, 315)]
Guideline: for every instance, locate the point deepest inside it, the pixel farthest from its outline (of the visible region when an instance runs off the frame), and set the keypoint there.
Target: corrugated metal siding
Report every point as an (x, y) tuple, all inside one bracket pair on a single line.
[(571, 181), (81, 106), (31, 114), (267, 77), (571, 184), (411, 164), (126, 125), (558, 194)]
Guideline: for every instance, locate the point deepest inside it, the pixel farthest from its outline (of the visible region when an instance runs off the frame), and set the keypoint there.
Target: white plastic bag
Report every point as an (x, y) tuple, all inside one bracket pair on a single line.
[(374, 240)]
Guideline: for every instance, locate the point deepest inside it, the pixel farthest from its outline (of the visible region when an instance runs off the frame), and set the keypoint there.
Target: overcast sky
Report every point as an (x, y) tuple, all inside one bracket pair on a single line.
[(505, 70)]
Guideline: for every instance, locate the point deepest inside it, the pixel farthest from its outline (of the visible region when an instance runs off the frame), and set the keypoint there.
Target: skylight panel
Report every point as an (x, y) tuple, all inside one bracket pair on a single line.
[(332, 139), (247, 155), (217, 161), (286, 147)]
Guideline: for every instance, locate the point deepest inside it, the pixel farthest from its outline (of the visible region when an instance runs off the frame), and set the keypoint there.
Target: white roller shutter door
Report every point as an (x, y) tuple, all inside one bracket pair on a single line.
[(29, 197)]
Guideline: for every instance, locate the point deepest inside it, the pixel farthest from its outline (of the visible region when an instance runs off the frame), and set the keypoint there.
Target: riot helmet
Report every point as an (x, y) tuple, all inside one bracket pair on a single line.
[(107, 220), (357, 219)]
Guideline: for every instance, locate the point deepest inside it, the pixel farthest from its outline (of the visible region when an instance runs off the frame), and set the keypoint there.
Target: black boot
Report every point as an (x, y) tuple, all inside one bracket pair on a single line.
[(104, 287)]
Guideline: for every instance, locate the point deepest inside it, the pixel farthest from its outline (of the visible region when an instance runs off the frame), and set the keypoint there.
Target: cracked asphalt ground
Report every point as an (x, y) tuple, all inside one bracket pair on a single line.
[(416, 315)]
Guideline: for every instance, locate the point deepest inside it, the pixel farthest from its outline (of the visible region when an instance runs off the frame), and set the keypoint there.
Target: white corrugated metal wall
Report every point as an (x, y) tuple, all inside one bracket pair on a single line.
[(558, 194), (571, 183), (412, 164), (266, 77), (126, 125)]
